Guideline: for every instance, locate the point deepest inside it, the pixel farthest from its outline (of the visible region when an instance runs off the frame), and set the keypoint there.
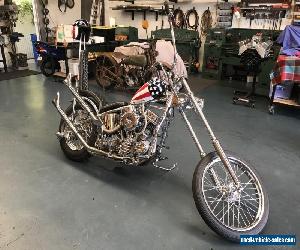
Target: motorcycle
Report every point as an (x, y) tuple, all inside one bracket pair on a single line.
[(116, 70), (50, 57), (227, 191)]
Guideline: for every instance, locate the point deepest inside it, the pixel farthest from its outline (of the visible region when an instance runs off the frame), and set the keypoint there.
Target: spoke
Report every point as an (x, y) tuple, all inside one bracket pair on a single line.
[(245, 216), (233, 215), (251, 200), (228, 209), (250, 188), (217, 203), (239, 211), (245, 184), (214, 199), (248, 195), (243, 172), (209, 189), (244, 204), (228, 214), (240, 214), (247, 207), (209, 182), (222, 210)]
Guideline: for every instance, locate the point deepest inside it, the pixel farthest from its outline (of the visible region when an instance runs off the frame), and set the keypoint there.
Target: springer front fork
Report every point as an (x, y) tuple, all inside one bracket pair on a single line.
[(215, 141)]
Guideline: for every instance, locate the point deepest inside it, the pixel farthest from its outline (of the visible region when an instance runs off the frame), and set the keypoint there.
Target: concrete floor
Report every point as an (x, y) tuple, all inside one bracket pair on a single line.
[(49, 202)]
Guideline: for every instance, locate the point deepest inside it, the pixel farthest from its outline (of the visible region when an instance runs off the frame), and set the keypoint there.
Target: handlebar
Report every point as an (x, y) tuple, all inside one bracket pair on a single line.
[(170, 15)]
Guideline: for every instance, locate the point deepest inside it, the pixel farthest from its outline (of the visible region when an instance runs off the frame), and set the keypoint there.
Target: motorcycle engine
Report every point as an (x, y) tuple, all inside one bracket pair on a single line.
[(127, 131)]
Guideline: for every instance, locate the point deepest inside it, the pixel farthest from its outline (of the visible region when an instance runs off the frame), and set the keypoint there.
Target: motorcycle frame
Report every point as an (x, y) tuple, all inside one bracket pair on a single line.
[(121, 67), (169, 105)]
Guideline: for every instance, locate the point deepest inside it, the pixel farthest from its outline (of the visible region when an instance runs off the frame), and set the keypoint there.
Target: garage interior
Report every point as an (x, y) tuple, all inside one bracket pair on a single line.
[(48, 201)]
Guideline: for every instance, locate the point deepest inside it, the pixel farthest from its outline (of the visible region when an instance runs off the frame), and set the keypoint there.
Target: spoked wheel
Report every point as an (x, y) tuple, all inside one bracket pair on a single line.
[(229, 211), (106, 71)]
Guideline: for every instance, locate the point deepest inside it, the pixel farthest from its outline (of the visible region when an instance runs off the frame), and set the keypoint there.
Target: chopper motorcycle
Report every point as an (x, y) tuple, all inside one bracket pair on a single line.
[(227, 191)]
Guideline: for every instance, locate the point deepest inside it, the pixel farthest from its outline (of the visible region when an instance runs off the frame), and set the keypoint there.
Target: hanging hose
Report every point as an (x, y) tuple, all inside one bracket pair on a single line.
[(206, 22), (178, 19), (189, 13)]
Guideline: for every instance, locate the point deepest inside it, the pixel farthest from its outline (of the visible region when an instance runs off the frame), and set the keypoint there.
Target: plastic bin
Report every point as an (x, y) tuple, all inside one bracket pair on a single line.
[(283, 91), (33, 40)]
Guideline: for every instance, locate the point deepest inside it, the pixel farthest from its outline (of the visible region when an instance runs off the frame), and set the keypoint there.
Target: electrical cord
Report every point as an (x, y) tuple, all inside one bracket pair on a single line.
[(206, 22), (178, 19), (189, 13)]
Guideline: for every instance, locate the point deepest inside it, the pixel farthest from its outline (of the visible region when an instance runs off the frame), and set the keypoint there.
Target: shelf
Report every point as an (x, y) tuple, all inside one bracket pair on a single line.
[(287, 102), (141, 8)]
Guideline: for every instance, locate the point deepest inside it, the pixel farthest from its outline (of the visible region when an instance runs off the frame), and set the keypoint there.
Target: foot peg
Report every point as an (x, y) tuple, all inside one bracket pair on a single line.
[(160, 158)]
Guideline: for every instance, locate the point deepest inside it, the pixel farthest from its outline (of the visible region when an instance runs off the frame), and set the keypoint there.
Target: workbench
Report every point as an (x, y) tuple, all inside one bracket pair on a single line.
[(287, 68), (221, 59)]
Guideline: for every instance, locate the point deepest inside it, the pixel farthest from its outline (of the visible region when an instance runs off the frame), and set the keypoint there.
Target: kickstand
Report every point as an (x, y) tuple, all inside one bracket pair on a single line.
[(159, 158)]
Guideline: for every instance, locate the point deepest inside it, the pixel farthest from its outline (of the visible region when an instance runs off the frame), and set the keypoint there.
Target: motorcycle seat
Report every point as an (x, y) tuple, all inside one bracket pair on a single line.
[(137, 60), (118, 55), (112, 106)]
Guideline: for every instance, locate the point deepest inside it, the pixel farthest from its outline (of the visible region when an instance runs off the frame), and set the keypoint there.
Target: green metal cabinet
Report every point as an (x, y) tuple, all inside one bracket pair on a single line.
[(130, 32), (187, 44)]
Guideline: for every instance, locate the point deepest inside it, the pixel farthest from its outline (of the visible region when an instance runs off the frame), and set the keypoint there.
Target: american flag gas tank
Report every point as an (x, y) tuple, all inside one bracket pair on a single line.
[(154, 89)]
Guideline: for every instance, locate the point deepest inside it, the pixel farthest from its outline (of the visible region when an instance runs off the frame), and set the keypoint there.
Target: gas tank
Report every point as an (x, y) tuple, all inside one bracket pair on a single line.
[(152, 90)]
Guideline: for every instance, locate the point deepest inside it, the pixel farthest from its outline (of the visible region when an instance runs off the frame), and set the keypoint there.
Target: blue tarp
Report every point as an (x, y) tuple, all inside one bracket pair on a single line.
[(289, 39)]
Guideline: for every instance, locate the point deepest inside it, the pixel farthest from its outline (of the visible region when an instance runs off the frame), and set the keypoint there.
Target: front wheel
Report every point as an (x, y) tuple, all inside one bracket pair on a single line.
[(229, 211)]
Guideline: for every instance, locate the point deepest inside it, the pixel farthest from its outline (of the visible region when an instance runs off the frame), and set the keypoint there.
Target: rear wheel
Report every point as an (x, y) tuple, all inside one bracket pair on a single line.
[(70, 144), (48, 66), (106, 71), (228, 211)]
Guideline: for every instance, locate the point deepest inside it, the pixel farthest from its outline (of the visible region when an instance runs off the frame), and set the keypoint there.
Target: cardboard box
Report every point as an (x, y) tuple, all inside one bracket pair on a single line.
[(62, 64), (73, 66), (64, 33)]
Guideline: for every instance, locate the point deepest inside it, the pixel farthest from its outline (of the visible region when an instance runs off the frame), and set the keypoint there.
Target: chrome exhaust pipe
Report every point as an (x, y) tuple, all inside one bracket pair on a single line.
[(82, 103), (92, 150)]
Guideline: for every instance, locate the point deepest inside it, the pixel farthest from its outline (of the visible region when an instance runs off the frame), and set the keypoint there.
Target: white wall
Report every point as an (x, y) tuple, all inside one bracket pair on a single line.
[(25, 26), (56, 17)]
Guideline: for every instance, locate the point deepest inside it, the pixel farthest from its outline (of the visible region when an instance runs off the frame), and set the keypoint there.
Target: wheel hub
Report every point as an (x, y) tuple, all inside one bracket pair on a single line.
[(230, 192)]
